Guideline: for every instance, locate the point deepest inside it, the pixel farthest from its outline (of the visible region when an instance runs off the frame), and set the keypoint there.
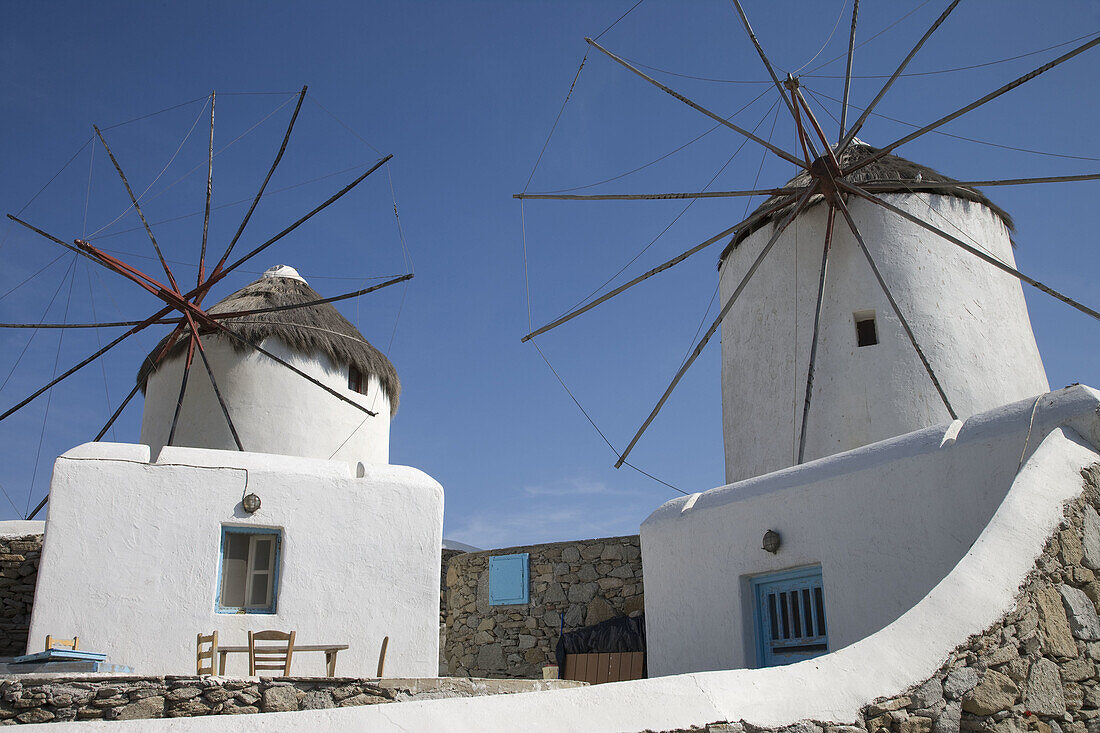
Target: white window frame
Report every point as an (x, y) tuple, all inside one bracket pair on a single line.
[(255, 535)]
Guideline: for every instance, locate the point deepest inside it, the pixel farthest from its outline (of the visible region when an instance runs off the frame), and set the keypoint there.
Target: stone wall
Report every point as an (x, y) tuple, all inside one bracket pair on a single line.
[(18, 572), (53, 698), (1035, 670), (587, 580)]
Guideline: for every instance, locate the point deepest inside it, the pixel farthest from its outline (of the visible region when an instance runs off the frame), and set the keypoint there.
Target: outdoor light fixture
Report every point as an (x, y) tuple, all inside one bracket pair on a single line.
[(771, 540), (251, 504)]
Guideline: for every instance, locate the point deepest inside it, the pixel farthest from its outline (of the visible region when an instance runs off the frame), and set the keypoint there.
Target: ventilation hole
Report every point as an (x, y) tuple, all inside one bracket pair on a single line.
[(866, 332)]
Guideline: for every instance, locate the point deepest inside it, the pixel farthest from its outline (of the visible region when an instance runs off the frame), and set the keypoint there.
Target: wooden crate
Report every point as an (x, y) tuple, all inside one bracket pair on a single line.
[(607, 667)]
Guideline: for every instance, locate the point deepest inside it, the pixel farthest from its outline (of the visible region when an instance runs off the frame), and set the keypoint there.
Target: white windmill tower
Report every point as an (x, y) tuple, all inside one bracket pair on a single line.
[(273, 409), (949, 338), (901, 259)]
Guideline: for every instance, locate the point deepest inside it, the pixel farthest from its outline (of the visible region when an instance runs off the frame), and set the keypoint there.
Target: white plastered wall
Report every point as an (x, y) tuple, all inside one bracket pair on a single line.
[(132, 549), (885, 522), (273, 409), (969, 319), (978, 591)]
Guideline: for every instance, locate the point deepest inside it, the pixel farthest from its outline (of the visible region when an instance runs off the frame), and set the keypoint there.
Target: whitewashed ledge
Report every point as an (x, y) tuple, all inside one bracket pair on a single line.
[(976, 595)]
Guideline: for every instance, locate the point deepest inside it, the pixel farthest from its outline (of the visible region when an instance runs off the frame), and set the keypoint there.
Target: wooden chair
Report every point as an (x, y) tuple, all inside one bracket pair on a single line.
[(270, 656), (52, 643), (204, 658), (382, 655)]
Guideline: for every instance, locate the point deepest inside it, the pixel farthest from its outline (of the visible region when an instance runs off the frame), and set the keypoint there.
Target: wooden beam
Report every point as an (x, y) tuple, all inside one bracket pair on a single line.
[(653, 196), (816, 332), (717, 118), (972, 250), (973, 105), (890, 82), (661, 268), (798, 207), (894, 305), (256, 200), (209, 190), (848, 72), (137, 208)]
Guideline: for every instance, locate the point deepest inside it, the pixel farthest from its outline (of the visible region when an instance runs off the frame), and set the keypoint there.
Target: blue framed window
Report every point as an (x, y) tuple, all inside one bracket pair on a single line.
[(508, 580), (789, 614), (248, 570)]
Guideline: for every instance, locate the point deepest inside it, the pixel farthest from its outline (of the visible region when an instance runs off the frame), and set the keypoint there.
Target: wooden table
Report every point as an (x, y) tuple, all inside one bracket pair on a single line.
[(330, 651)]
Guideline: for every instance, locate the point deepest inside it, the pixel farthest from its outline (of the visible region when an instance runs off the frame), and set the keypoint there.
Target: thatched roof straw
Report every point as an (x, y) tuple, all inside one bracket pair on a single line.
[(308, 331), (887, 170)]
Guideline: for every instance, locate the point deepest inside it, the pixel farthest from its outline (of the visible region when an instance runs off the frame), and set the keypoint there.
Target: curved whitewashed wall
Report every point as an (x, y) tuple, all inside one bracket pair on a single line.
[(885, 522), (273, 409), (979, 591), (969, 318), (131, 557)]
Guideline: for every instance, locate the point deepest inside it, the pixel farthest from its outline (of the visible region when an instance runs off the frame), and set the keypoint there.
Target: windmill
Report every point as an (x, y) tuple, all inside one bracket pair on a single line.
[(838, 180), (183, 308)]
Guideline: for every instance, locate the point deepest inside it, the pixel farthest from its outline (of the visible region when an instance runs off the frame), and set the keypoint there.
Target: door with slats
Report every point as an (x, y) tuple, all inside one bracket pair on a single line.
[(789, 610)]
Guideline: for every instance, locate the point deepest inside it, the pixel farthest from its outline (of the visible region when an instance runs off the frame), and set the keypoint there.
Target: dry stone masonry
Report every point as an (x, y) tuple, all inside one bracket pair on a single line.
[(588, 581), (53, 698), (1036, 670), (18, 572)]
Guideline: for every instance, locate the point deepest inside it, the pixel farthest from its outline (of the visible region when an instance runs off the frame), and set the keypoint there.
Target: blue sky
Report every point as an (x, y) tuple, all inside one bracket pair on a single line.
[(464, 95)]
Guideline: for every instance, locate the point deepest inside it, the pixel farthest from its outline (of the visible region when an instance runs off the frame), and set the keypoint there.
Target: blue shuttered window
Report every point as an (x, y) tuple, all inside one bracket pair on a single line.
[(508, 580), (789, 611)]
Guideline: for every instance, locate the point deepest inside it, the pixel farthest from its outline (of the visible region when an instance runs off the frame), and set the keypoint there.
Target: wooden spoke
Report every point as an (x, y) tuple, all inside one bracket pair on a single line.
[(775, 79), (168, 343), (816, 332), (932, 185), (890, 82), (894, 305), (227, 314), (972, 250), (973, 105), (310, 303), (137, 208), (662, 267), (255, 201), (117, 412), (105, 324), (216, 276), (38, 508), (183, 388), (652, 196), (209, 191), (72, 370), (848, 72), (214, 383), (817, 127), (717, 118), (797, 209), (54, 239), (237, 337)]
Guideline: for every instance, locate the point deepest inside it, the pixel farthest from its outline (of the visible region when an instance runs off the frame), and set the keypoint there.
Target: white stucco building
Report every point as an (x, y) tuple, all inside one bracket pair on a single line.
[(789, 562), (308, 529)]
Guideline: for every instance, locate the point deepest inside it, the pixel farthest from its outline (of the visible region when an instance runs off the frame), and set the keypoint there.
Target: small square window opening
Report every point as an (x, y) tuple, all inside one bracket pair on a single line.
[(355, 380), (866, 331), (249, 570)]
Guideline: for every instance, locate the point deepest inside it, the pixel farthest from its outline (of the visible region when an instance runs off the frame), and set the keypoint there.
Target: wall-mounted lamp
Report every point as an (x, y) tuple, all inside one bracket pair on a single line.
[(251, 503), (771, 541)]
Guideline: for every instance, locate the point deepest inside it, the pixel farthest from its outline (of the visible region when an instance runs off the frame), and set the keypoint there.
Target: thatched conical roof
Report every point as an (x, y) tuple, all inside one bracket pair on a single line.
[(887, 170), (308, 331)]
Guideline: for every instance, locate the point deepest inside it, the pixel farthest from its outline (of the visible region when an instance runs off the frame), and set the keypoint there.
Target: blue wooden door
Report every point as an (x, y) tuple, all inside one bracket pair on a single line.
[(790, 616)]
